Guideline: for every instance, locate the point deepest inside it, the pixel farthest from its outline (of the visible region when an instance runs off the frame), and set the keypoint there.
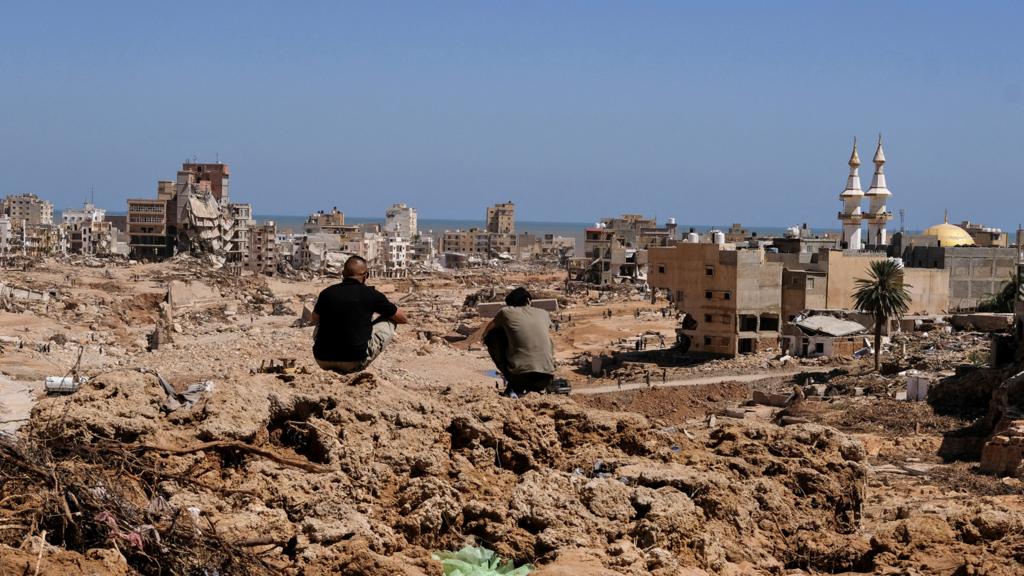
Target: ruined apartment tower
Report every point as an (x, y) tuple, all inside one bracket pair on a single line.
[(501, 218), (616, 249), (28, 227)]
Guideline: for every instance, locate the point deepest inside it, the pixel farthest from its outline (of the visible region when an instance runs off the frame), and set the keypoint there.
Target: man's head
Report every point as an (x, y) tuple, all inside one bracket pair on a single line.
[(518, 297), (355, 267)]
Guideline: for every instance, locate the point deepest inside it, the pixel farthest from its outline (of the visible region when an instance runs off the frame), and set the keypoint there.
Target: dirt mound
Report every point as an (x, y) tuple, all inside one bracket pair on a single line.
[(322, 463)]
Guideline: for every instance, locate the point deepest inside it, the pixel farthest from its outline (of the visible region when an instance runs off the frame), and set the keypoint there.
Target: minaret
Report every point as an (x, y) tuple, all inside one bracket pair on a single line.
[(851, 197), (878, 215)]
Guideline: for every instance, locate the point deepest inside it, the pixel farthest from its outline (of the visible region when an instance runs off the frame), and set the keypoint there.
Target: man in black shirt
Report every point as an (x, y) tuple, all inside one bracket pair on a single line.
[(347, 336)]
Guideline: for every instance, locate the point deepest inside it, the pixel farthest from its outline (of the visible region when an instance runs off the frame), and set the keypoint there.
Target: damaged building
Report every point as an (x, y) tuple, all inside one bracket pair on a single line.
[(616, 249), (731, 300)]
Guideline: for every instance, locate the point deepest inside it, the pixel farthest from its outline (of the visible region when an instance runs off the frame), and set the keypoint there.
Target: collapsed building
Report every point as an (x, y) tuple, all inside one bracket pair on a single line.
[(28, 228), (615, 250)]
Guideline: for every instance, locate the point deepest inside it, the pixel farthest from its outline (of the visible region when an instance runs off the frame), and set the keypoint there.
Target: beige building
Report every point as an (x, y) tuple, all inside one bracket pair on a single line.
[(263, 247), (147, 228), (986, 236), (732, 298), (828, 280), (501, 218), (27, 210)]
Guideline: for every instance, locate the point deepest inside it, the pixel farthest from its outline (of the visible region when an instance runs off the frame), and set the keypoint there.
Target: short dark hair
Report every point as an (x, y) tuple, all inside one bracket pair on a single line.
[(518, 297), (354, 266)]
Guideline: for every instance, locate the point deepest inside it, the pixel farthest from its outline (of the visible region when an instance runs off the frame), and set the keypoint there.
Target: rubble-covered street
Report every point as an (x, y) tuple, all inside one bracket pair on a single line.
[(807, 466)]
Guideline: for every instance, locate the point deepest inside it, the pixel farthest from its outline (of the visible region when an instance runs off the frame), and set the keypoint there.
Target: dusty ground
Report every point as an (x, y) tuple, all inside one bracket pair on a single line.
[(326, 474)]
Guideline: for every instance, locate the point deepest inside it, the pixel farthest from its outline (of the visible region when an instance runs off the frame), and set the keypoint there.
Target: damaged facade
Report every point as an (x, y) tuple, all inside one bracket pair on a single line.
[(616, 249), (731, 300)]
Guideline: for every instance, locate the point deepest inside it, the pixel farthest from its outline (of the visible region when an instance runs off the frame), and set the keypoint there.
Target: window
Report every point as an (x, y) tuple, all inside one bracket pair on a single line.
[(819, 348), (707, 295), (661, 268), (707, 317), (709, 270), (707, 340), (748, 323), (769, 323), (727, 296), (810, 283)]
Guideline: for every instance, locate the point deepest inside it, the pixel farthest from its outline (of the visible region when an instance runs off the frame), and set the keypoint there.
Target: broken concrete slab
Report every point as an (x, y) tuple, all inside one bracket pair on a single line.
[(771, 399), (490, 309), (197, 295)]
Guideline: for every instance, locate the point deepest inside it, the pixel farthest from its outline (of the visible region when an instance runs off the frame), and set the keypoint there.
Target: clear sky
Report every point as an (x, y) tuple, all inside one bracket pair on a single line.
[(709, 112)]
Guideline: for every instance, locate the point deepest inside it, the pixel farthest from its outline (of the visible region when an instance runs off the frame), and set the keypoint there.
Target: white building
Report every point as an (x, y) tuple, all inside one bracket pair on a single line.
[(400, 220), (5, 234), (89, 213), (397, 253)]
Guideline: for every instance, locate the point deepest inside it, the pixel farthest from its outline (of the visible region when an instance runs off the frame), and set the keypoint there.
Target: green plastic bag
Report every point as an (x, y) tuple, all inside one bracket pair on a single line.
[(473, 561)]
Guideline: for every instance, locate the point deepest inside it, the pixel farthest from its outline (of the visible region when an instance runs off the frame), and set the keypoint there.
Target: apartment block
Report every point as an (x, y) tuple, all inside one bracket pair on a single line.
[(400, 220), (147, 229), (732, 299), (501, 218), (27, 210)]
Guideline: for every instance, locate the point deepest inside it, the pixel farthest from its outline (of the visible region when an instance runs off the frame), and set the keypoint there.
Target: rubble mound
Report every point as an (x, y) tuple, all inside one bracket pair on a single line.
[(368, 474)]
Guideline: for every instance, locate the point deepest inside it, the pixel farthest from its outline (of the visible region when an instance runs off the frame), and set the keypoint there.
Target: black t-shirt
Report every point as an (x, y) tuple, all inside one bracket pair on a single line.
[(346, 311)]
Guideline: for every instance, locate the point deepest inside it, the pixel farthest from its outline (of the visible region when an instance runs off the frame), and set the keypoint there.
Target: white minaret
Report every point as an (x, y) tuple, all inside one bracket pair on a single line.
[(851, 197), (878, 194)]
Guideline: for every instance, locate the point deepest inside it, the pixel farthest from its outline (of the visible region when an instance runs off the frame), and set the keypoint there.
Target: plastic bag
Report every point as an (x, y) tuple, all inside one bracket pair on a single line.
[(478, 561)]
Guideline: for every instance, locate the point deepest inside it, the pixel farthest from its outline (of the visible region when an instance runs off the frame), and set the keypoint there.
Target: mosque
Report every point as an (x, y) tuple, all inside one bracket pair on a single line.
[(878, 215)]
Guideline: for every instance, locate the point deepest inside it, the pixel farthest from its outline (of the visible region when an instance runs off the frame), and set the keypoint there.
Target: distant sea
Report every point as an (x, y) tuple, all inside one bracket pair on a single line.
[(573, 229)]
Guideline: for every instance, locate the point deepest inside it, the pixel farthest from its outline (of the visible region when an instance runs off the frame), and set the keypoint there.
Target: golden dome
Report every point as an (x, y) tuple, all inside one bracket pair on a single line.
[(950, 235)]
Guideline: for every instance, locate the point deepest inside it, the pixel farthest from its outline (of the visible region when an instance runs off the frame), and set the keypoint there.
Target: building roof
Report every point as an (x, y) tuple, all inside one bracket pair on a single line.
[(829, 326), (950, 234)]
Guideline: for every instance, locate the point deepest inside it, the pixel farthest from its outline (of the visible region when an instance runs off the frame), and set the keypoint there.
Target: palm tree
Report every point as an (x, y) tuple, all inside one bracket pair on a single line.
[(883, 294)]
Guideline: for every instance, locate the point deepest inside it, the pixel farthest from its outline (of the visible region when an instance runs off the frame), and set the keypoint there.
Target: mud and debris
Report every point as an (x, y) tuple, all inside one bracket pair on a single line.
[(300, 471)]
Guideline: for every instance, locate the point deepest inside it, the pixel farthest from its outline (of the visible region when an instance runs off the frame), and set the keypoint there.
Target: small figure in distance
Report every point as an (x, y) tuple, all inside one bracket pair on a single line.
[(519, 342), (347, 337)]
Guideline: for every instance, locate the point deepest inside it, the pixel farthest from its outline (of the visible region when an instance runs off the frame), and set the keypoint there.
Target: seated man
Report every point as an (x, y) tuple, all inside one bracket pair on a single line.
[(347, 336), (519, 341)]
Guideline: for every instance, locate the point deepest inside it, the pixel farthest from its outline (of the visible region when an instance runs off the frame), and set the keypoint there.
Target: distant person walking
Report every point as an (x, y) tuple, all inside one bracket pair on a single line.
[(348, 337), (519, 342)]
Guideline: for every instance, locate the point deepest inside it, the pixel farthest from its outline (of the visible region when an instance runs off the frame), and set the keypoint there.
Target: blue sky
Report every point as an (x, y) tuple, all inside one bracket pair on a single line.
[(709, 112)]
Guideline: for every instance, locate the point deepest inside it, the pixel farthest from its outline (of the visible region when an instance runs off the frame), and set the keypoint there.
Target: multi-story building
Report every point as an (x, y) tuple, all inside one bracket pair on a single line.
[(423, 249), (396, 254), (5, 233), (732, 299), (147, 229), (28, 210), (209, 177), (332, 222), (87, 231), (263, 250), (238, 252), (501, 218), (615, 250), (400, 220), (986, 236)]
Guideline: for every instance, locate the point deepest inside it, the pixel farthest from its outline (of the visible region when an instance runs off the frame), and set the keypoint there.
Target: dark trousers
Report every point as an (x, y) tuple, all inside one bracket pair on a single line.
[(497, 346)]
